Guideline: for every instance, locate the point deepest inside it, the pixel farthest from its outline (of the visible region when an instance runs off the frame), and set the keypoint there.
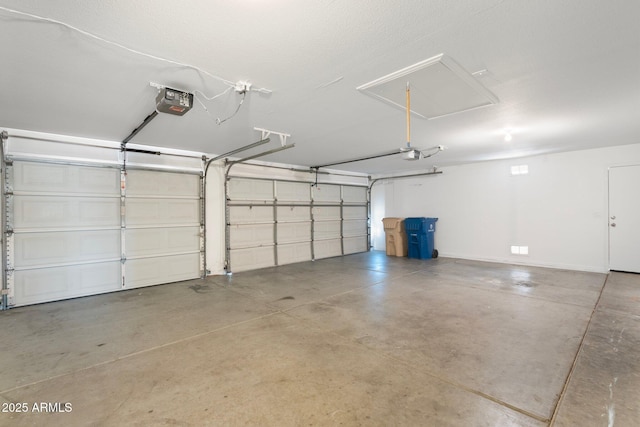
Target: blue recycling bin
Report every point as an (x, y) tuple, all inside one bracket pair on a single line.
[(420, 237)]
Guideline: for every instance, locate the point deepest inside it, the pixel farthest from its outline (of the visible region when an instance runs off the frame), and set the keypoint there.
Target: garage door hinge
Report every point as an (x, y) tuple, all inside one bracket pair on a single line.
[(123, 259)]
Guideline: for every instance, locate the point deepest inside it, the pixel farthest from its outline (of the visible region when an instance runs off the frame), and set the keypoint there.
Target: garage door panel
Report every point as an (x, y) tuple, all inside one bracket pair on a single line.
[(355, 244), (294, 232), (327, 248), (351, 194), (154, 271), (52, 178), (152, 212), (293, 192), (355, 227), (99, 180), (354, 212), (49, 284), (250, 189), (326, 193), (42, 249), (296, 252), (326, 212), (249, 214), (45, 212), (251, 235), (161, 241), (293, 213), (160, 184), (251, 259), (326, 230), (162, 236)]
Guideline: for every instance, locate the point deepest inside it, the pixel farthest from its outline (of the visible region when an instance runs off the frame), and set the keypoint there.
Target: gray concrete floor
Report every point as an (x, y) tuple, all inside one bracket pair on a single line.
[(359, 340)]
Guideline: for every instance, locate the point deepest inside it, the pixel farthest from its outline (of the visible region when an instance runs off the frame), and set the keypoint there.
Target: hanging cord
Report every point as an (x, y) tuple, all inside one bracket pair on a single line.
[(196, 92), (219, 122), (211, 98), (437, 149)]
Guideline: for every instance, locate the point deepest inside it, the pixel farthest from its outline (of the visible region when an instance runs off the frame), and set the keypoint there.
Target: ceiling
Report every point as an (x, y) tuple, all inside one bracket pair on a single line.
[(566, 73)]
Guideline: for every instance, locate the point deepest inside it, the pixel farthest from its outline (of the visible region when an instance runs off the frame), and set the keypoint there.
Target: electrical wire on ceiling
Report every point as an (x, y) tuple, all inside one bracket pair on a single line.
[(195, 95), (137, 52), (436, 150), (219, 122), (211, 98)]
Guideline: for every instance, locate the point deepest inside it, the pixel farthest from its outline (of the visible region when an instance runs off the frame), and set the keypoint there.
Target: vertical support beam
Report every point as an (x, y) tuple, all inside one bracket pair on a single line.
[(4, 295), (203, 248), (313, 223), (9, 284), (8, 289), (227, 225), (369, 236), (342, 220), (275, 222), (123, 223)]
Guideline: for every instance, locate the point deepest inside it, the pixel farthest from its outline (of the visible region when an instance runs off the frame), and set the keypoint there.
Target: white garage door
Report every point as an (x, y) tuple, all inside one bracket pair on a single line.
[(355, 223), (250, 223), (293, 231), (274, 222), (162, 233), (74, 234), (66, 231)]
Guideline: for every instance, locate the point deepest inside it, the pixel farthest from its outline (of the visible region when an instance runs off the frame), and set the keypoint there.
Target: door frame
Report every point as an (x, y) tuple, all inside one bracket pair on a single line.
[(609, 213)]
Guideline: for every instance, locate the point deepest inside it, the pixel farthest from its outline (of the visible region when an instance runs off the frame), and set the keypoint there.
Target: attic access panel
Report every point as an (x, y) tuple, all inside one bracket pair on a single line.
[(439, 87)]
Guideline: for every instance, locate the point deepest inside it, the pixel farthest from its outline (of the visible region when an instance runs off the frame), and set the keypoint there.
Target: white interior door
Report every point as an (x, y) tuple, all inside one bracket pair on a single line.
[(624, 219)]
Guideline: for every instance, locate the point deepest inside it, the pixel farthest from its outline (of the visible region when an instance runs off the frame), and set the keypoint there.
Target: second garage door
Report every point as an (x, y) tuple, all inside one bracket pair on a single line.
[(274, 222)]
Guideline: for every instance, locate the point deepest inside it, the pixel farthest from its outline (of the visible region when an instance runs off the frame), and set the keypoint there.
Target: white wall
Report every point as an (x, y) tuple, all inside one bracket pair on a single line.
[(215, 218), (559, 209)]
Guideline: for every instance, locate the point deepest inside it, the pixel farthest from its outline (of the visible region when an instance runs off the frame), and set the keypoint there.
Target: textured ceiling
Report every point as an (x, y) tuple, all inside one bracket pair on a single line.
[(567, 74)]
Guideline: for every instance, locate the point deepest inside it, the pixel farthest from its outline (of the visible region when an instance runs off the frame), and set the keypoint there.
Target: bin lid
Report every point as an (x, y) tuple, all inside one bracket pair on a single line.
[(419, 223), (392, 223)]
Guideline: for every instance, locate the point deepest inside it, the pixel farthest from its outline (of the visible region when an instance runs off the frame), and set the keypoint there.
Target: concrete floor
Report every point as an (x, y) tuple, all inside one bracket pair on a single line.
[(359, 340)]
